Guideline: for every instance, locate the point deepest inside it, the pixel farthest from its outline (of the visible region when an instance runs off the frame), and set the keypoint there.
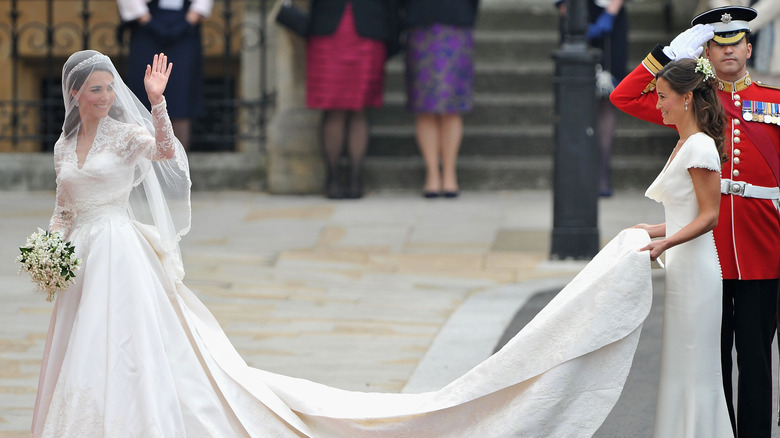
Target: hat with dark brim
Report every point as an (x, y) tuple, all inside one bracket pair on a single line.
[(730, 23)]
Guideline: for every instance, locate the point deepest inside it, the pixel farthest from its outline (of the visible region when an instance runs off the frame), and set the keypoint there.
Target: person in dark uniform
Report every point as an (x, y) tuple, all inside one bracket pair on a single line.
[(347, 45), (607, 30), (171, 27), (748, 233)]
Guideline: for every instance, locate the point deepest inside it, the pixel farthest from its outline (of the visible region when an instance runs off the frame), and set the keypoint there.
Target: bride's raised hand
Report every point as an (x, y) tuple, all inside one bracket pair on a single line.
[(156, 78)]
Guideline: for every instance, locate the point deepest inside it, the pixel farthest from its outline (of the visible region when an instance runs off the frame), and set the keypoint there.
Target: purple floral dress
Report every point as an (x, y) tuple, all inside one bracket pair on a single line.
[(440, 69)]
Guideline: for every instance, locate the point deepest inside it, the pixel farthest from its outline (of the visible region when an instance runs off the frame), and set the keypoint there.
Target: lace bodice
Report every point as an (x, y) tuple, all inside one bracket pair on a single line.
[(118, 160)]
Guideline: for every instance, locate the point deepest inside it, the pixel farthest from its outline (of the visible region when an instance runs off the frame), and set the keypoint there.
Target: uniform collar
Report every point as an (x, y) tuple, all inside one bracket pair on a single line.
[(731, 87)]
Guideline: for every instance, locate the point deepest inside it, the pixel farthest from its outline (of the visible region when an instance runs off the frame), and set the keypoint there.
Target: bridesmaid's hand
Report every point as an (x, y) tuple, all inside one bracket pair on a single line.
[(156, 78), (656, 247)]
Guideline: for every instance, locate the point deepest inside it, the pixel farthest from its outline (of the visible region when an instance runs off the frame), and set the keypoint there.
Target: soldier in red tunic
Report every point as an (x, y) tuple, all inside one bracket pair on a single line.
[(748, 232)]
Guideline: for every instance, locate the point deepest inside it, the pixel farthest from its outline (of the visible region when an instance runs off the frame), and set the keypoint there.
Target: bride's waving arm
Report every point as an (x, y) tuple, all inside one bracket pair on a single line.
[(155, 81)]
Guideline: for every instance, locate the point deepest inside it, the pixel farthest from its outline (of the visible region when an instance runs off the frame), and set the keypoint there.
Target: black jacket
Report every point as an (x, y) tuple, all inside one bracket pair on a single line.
[(375, 19), (451, 12)]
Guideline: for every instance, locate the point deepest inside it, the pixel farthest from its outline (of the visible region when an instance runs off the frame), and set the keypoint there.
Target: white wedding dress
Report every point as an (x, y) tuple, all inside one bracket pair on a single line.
[(691, 402), (132, 352)]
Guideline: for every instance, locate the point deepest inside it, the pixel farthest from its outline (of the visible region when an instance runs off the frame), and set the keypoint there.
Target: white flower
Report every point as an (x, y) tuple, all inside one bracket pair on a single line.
[(50, 261), (704, 67)]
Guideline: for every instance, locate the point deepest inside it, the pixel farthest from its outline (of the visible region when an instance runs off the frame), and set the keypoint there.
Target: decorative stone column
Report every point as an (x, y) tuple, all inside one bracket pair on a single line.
[(295, 164)]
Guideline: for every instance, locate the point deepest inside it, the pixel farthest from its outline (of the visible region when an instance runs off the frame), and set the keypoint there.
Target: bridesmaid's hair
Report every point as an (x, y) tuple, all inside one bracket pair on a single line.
[(707, 108)]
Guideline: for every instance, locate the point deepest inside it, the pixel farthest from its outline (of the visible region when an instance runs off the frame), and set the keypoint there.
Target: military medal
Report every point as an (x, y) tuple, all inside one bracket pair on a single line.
[(760, 111), (747, 110)]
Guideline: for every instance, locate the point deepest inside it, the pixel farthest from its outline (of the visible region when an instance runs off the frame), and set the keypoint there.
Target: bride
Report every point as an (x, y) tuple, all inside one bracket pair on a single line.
[(132, 352)]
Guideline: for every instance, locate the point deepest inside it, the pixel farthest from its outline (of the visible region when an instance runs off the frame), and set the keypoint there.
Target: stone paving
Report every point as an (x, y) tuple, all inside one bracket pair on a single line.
[(389, 293)]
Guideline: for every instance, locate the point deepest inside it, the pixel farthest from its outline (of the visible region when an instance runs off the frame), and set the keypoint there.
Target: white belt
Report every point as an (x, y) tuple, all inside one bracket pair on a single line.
[(741, 188)]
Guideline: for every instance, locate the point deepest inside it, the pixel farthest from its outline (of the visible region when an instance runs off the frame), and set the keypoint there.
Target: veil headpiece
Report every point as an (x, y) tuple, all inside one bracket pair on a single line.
[(161, 189)]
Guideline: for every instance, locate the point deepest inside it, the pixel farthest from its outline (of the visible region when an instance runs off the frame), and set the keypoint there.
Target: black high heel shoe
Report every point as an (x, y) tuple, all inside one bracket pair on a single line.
[(333, 189), (355, 190)]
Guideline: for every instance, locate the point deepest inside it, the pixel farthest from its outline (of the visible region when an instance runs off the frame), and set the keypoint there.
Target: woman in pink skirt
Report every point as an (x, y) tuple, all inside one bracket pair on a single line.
[(348, 43)]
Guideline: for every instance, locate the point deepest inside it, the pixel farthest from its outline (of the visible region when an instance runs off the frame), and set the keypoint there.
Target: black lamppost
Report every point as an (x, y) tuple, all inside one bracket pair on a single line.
[(575, 176)]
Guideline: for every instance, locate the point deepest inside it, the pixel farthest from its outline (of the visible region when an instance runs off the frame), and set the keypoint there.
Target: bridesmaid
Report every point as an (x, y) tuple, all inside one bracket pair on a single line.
[(439, 84), (691, 402)]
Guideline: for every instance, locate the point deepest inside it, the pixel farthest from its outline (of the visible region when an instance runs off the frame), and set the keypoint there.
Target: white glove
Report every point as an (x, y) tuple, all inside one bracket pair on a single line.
[(690, 43)]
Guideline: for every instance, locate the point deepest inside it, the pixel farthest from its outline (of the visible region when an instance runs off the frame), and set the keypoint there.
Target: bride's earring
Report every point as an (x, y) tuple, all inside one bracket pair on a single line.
[(686, 105)]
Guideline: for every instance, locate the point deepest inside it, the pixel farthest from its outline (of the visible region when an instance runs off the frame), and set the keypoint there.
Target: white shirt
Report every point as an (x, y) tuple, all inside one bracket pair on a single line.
[(131, 10)]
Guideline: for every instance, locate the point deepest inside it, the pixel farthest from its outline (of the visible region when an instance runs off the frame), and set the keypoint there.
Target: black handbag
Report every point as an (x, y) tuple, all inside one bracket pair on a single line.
[(293, 18)]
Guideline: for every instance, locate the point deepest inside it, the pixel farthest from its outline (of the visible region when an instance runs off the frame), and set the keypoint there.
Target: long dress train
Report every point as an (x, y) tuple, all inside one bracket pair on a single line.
[(136, 354)]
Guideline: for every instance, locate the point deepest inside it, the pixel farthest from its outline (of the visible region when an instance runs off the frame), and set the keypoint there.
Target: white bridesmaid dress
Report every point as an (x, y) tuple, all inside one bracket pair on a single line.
[(691, 402)]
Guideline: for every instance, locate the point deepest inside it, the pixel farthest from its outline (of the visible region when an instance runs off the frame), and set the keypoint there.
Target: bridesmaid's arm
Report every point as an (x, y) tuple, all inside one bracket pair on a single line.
[(657, 230), (706, 184)]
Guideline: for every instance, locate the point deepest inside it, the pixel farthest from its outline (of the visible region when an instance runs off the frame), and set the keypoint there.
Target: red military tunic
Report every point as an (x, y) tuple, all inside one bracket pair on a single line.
[(748, 232)]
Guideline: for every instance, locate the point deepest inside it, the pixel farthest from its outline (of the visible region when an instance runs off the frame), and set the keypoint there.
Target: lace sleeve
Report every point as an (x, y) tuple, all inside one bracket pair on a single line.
[(62, 219), (165, 141)]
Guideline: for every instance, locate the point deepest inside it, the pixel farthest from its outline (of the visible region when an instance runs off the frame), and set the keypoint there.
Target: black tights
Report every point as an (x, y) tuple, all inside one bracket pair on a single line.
[(338, 125)]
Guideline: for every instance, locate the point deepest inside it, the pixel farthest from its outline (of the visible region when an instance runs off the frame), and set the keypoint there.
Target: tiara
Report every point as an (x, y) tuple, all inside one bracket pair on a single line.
[(92, 60), (704, 67)]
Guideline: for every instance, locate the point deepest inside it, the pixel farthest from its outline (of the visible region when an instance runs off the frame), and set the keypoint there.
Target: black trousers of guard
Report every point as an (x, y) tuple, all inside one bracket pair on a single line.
[(749, 320)]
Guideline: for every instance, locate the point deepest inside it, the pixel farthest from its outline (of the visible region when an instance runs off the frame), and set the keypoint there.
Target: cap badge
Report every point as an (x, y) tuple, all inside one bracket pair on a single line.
[(725, 18)]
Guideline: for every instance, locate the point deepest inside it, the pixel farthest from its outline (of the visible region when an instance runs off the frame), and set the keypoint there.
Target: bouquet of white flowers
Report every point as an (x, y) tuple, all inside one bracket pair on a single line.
[(50, 261)]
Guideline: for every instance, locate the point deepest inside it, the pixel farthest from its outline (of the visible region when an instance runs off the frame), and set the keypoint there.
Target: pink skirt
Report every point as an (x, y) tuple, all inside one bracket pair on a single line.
[(344, 70)]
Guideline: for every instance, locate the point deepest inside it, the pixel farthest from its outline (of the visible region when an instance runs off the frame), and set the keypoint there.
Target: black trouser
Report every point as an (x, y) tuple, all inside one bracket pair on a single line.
[(749, 320)]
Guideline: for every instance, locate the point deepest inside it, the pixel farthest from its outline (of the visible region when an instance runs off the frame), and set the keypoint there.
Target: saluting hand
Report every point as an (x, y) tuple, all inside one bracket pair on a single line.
[(156, 78)]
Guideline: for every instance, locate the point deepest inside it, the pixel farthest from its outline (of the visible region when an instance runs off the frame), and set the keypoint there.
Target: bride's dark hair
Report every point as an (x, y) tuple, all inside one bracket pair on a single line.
[(706, 106)]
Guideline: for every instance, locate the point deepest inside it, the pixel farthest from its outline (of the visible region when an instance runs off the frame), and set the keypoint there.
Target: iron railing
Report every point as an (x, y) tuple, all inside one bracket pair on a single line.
[(36, 36)]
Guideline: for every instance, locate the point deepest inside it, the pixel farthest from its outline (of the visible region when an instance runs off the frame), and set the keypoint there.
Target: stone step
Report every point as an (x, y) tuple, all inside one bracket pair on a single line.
[(520, 17), (642, 15), (509, 136), (501, 173), (520, 141), (537, 46), (490, 109)]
